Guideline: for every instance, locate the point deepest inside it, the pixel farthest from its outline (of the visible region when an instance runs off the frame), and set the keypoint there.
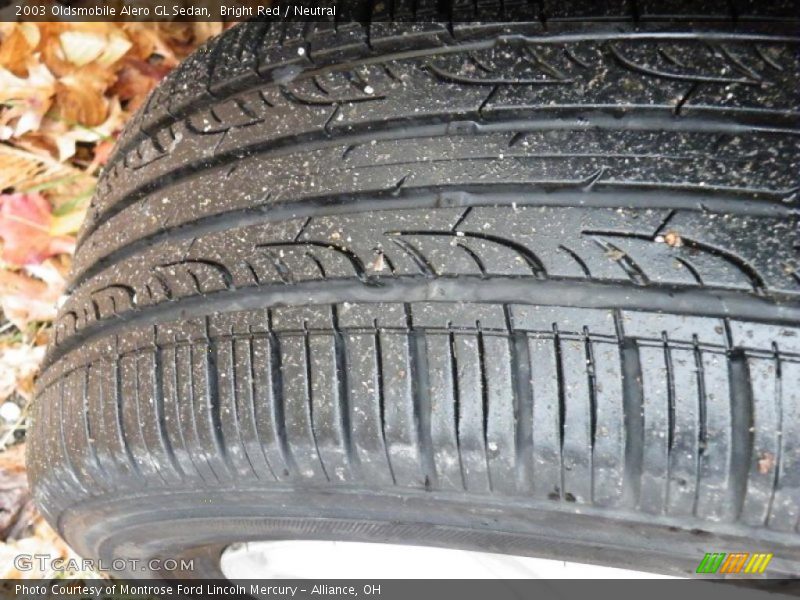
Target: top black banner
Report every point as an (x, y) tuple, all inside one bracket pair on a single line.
[(202, 10), (342, 11), (168, 10)]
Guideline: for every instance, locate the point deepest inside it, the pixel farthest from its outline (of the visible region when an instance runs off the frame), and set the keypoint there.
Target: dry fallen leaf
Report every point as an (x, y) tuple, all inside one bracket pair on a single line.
[(26, 99), (62, 81), (25, 221), (65, 135), (102, 152), (24, 170), (80, 95), (205, 30), (17, 43), (18, 365), (135, 79), (14, 495), (672, 238), (65, 47), (22, 529), (69, 222), (766, 462), (150, 41), (83, 47), (378, 263), (66, 91), (25, 299), (615, 254)]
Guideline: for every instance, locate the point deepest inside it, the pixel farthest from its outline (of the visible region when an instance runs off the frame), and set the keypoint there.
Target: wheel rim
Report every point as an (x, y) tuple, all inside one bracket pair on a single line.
[(325, 559)]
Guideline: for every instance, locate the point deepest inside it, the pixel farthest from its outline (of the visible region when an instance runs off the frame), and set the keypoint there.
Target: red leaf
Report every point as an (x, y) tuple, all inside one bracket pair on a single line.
[(25, 229)]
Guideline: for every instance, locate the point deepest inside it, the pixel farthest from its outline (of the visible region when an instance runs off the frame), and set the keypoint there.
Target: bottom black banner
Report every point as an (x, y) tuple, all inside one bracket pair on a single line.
[(393, 589)]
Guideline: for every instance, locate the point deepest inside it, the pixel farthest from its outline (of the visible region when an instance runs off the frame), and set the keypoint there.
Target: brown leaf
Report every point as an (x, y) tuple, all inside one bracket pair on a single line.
[(80, 96), (16, 45), (178, 35), (12, 462)]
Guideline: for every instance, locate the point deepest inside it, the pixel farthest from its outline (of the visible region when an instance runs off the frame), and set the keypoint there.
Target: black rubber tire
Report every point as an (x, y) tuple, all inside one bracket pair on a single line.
[(529, 287)]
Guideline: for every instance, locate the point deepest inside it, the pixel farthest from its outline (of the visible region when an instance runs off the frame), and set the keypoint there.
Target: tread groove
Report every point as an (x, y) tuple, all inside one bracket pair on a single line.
[(278, 408), (158, 396), (562, 404), (484, 400), (591, 376), (523, 403), (742, 422), (451, 339), (309, 400), (670, 390), (87, 428), (717, 303), (381, 393), (343, 394), (418, 360), (212, 395), (251, 363), (702, 410), (632, 404), (779, 454)]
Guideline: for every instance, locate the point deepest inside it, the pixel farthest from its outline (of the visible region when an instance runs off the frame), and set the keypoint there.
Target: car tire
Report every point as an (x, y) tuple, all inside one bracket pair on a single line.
[(523, 279)]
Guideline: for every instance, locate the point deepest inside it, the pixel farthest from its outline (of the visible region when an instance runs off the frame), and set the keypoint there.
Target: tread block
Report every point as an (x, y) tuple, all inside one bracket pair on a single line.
[(190, 118), (569, 243)]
